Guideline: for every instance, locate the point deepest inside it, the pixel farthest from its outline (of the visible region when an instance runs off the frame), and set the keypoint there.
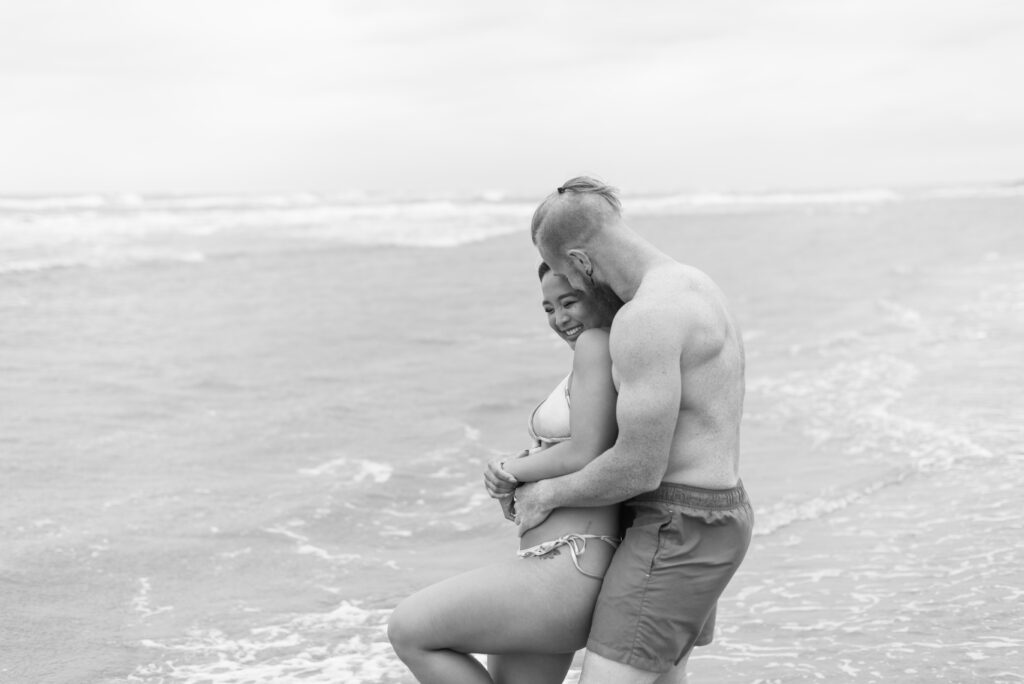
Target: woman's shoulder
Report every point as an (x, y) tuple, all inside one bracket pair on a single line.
[(593, 337), (592, 347)]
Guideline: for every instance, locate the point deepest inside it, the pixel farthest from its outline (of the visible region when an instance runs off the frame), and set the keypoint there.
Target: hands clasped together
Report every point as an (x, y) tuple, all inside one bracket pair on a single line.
[(520, 503)]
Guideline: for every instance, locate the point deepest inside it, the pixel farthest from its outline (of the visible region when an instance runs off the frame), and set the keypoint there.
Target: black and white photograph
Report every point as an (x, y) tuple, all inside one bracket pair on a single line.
[(350, 342)]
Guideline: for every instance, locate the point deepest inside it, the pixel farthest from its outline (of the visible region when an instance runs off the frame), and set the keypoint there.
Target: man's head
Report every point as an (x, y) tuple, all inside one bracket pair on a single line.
[(569, 222)]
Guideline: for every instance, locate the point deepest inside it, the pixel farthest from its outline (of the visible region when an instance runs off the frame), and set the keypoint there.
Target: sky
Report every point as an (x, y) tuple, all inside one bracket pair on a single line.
[(408, 96)]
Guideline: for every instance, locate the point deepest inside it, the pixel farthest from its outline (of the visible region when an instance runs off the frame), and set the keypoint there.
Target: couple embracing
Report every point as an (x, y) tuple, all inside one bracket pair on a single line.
[(632, 517)]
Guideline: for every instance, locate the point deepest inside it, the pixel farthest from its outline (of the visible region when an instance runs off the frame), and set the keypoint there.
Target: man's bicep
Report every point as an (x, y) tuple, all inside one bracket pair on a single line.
[(648, 406)]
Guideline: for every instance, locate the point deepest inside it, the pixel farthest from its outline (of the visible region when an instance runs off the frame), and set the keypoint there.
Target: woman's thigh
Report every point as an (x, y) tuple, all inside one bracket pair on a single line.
[(529, 668), (522, 605)]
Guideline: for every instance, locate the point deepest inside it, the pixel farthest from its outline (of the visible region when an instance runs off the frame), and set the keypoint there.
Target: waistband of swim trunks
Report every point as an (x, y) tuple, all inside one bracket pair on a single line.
[(695, 497)]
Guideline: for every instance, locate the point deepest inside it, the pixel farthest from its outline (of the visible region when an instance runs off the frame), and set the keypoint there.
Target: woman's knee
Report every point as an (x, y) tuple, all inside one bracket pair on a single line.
[(406, 629)]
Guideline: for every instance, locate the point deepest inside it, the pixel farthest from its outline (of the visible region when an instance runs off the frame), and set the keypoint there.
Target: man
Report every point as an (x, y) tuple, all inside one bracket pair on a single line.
[(677, 364)]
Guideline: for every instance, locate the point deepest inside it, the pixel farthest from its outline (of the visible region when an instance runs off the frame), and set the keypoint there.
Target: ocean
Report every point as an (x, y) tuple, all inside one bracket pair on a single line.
[(235, 431)]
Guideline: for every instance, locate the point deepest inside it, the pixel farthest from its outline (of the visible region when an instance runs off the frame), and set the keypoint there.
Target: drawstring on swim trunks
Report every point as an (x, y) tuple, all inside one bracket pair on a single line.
[(577, 544)]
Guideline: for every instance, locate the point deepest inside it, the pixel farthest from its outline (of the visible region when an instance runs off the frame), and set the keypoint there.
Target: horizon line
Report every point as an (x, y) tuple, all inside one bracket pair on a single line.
[(506, 195)]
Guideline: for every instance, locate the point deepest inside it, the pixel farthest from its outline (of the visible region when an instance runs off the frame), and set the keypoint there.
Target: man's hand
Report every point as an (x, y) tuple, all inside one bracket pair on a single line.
[(508, 507), (498, 482), (531, 507)]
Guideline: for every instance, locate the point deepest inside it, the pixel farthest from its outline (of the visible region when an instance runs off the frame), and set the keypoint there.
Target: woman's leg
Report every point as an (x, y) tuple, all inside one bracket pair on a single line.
[(521, 606), (529, 668)]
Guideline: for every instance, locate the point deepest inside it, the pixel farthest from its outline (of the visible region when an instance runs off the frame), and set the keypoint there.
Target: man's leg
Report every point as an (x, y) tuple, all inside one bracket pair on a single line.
[(600, 670), (677, 675)]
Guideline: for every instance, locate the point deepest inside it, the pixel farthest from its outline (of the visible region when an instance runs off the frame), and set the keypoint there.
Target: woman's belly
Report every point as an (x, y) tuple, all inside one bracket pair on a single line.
[(563, 521)]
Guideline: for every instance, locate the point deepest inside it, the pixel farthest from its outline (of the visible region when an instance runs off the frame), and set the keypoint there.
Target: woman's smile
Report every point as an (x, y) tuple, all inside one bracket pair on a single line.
[(572, 333), (570, 311)]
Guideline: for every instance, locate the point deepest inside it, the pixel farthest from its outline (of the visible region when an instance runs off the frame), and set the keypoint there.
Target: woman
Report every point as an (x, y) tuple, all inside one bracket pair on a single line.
[(532, 613)]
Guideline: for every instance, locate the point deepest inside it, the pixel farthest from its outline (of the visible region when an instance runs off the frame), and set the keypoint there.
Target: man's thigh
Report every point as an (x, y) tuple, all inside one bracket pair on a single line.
[(662, 587)]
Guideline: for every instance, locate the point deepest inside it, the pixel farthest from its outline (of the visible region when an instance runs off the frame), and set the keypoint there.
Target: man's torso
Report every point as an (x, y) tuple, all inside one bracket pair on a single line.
[(705, 446)]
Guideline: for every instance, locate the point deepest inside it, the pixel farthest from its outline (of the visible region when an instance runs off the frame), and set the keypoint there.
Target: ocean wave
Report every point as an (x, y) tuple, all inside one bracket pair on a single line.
[(53, 203), (848, 410), (348, 644), (141, 600), (48, 225), (357, 470), (344, 205), (489, 200), (304, 547), (137, 202), (686, 202), (782, 514), (852, 403), (440, 221), (99, 261), (975, 191)]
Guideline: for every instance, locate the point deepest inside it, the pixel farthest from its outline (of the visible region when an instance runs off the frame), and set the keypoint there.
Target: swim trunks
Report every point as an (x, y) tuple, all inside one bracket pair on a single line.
[(682, 546)]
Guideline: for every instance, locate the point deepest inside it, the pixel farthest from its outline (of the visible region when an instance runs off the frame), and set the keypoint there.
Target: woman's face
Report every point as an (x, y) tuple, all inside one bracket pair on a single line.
[(570, 311)]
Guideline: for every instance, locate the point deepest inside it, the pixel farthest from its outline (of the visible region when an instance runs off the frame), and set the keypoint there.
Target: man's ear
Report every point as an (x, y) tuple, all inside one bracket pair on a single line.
[(582, 261)]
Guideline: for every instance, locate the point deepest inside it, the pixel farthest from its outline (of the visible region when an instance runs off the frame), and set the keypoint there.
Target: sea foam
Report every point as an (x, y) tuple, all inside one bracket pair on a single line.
[(347, 644)]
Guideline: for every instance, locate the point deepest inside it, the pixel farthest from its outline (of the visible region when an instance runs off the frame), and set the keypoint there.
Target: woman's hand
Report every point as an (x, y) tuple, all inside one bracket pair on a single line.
[(497, 480)]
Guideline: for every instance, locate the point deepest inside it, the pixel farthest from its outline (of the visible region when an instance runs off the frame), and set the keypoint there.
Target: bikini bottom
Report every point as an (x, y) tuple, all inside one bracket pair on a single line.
[(577, 544)]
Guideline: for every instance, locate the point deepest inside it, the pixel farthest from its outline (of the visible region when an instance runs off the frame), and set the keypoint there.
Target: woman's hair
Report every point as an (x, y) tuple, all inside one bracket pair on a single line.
[(602, 294)]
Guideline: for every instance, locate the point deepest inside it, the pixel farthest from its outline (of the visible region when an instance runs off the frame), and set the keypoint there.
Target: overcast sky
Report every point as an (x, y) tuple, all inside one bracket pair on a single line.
[(294, 95)]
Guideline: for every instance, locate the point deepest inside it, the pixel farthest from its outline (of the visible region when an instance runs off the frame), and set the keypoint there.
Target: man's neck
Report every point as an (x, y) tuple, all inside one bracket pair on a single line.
[(631, 259)]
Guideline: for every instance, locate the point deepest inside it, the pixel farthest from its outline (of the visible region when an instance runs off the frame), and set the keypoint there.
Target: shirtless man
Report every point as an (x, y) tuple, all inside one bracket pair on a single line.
[(677, 363)]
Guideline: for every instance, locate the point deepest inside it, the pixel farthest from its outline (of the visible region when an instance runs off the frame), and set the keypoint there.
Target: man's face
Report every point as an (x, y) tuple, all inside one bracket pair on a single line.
[(572, 271), (567, 267)]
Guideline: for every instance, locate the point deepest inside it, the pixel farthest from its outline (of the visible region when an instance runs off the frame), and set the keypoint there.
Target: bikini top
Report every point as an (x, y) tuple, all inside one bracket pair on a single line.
[(549, 422)]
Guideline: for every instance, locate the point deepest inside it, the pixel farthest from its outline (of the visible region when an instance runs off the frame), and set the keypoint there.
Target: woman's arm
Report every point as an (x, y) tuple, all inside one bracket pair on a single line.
[(592, 415)]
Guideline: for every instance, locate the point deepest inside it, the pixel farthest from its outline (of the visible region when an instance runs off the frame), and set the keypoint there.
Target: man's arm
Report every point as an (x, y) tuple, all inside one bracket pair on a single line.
[(646, 348)]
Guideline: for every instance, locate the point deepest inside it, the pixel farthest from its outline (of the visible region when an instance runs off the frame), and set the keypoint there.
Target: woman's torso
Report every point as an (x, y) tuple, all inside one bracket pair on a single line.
[(602, 520), (549, 424)]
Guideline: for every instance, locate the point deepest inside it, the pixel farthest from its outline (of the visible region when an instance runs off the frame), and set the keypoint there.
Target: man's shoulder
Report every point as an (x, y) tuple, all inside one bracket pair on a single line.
[(674, 293), (677, 306), (648, 324), (678, 280)]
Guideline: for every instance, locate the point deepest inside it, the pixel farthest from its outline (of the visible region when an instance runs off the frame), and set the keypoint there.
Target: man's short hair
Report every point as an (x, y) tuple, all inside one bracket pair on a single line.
[(579, 185)]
